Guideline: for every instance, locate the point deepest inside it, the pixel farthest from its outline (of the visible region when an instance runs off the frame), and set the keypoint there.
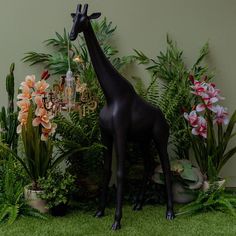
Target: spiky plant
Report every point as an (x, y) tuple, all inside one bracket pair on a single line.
[(8, 117)]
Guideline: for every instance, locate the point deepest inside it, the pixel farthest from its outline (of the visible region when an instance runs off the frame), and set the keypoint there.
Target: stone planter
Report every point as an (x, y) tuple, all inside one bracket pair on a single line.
[(33, 199), (181, 194)]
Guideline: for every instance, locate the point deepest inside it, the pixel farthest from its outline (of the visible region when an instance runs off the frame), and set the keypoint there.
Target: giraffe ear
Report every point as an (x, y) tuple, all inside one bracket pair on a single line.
[(72, 15), (95, 15)]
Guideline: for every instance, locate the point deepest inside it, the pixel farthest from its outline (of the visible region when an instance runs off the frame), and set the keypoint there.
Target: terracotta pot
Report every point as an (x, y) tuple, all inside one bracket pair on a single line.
[(33, 199)]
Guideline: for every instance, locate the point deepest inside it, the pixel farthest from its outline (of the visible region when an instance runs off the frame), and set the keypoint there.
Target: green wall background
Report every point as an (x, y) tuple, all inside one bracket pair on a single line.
[(143, 25)]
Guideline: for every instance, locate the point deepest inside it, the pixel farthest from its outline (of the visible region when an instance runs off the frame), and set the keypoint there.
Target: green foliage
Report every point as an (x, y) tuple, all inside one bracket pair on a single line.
[(80, 136), (12, 203), (8, 118), (57, 188), (172, 94), (214, 199), (57, 63)]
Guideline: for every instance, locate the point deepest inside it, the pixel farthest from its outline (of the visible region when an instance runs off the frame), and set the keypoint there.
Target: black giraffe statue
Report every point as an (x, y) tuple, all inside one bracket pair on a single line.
[(125, 117)]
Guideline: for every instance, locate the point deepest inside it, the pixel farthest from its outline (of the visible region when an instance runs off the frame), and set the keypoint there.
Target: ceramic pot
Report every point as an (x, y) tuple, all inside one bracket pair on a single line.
[(33, 199)]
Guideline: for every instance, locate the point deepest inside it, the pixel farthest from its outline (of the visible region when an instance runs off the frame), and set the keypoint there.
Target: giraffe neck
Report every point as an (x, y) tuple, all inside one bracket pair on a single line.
[(112, 83)]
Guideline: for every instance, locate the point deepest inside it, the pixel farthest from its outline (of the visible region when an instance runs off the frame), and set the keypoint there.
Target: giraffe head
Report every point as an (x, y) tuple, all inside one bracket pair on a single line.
[(81, 20)]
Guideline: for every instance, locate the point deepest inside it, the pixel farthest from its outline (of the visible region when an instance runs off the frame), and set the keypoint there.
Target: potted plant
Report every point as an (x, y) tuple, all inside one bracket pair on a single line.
[(36, 127), (57, 189), (210, 128), (187, 179)]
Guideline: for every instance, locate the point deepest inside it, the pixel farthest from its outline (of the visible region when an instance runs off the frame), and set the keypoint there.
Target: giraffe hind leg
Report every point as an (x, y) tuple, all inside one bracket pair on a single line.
[(161, 140)]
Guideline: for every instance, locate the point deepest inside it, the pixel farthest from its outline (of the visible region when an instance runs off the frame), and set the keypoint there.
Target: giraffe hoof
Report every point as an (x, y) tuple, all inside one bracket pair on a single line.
[(170, 215), (116, 225), (99, 214), (137, 207)]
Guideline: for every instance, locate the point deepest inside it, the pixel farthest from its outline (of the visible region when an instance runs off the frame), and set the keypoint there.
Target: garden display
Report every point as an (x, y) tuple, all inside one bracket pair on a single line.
[(171, 136)]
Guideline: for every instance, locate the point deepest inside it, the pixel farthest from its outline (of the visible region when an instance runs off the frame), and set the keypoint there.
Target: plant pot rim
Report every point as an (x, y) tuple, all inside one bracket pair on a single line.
[(29, 188)]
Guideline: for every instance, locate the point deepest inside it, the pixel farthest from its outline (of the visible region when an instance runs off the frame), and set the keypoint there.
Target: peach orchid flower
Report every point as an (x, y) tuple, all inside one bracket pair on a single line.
[(24, 105), (29, 81), (40, 87), (42, 118), (46, 132), (25, 93), (22, 117)]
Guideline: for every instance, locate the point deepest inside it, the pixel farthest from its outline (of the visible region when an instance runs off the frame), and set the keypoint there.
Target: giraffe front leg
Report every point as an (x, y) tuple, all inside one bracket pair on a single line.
[(148, 164), (120, 144), (107, 142)]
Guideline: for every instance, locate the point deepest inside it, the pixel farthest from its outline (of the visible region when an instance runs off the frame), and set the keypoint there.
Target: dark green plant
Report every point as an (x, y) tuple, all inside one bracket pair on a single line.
[(57, 188), (8, 117), (12, 202), (168, 89), (57, 62), (81, 135), (214, 199)]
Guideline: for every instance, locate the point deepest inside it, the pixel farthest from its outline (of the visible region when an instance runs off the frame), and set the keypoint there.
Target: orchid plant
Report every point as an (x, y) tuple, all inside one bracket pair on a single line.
[(35, 126), (210, 128)]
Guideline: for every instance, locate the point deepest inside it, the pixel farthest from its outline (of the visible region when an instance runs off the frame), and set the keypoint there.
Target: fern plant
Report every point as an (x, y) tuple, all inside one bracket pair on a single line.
[(168, 89), (12, 202), (81, 135), (213, 199)]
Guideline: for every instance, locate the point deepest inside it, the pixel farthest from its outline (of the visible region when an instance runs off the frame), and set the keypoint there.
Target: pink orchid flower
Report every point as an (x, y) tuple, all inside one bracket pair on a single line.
[(207, 104), (198, 87), (29, 81), (40, 88), (221, 115), (192, 118), (42, 118), (201, 129), (213, 92), (23, 105), (26, 94), (209, 97), (46, 132)]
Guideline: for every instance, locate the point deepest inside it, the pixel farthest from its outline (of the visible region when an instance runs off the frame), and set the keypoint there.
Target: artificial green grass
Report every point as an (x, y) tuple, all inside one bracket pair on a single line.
[(148, 222)]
